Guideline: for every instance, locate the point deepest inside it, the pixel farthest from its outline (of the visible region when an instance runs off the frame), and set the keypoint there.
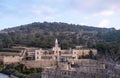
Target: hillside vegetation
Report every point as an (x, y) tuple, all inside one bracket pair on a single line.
[(106, 40)]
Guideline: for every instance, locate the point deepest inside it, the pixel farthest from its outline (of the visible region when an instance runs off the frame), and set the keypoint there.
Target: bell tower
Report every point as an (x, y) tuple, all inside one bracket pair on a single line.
[(56, 50), (56, 43)]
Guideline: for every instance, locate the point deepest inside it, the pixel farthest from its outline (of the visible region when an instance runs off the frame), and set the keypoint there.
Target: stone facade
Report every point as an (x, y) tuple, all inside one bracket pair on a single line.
[(41, 55), (56, 53), (11, 59), (51, 73), (39, 64), (83, 68), (89, 65)]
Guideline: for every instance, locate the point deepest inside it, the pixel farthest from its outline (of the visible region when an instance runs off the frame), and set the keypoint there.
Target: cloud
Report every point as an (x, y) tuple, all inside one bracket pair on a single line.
[(103, 7), (104, 13), (86, 17), (43, 11), (83, 5), (104, 23)]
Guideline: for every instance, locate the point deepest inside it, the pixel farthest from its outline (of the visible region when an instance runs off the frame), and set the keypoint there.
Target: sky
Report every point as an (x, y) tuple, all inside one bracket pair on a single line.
[(98, 13)]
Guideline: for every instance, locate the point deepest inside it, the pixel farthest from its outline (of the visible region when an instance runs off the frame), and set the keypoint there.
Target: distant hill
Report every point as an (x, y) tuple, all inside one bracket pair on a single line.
[(43, 34)]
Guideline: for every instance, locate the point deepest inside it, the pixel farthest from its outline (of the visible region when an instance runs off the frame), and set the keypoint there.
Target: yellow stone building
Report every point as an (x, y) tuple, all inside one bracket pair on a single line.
[(56, 53)]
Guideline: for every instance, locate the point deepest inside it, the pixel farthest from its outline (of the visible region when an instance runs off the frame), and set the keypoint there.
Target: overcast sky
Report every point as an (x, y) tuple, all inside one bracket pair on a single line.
[(99, 13)]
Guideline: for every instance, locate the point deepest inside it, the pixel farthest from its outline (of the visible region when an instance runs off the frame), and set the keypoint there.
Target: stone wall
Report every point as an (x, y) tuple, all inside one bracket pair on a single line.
[(87, 65), (48, 73), (37, 64), (11, 59)]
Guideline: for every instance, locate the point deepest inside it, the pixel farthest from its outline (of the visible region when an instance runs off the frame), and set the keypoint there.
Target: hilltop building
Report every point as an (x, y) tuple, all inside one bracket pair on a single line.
[(38, 57), (56, 53)]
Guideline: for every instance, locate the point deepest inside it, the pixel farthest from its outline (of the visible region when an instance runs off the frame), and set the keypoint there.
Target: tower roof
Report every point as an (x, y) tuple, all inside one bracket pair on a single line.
[(56, 41)]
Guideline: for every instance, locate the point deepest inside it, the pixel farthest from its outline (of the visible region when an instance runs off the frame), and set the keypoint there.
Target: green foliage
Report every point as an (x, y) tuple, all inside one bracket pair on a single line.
[(43, 35), (89, 56), (20, 70), (111, 36), (1, 66), (8, 50), (110, 50)]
